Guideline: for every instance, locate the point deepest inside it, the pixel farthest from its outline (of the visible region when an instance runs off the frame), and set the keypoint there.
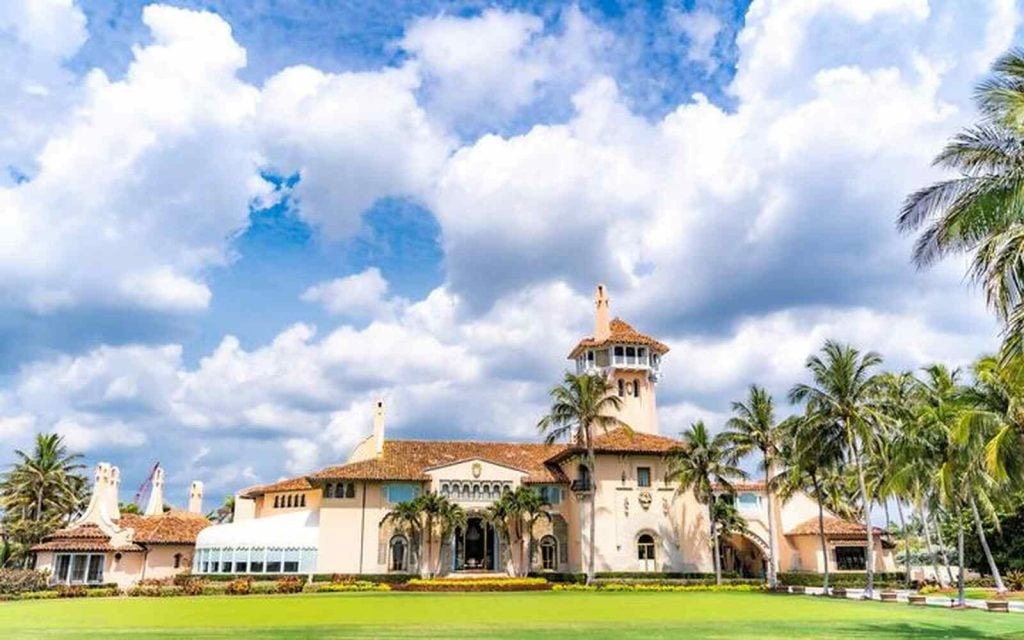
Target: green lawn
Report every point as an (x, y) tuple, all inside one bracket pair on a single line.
[(499, 615)]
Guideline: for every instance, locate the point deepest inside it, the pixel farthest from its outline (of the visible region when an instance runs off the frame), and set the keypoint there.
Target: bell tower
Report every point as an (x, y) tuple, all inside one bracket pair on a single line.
[(629, 359)]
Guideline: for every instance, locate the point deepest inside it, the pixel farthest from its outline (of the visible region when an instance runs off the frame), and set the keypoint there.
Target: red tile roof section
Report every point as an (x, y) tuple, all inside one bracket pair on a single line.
[(621, 333), (83, 537), (834, 528), (172, 527), (408, 460)]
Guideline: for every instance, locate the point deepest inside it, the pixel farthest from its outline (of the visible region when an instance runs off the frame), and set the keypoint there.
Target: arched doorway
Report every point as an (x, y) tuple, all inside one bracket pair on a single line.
[(743, 555), (476, 546)]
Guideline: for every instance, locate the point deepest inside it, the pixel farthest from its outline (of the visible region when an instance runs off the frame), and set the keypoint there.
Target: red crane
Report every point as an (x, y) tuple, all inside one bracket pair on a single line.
[(145, 487)]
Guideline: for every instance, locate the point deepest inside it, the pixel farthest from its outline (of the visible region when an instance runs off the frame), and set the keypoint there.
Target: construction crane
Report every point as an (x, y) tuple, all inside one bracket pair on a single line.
[(143, 493)]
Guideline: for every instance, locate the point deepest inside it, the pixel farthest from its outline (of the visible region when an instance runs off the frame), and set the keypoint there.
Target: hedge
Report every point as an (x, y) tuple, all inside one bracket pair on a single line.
[(16, 581), (636, 587), (845, 579), (580, 578)]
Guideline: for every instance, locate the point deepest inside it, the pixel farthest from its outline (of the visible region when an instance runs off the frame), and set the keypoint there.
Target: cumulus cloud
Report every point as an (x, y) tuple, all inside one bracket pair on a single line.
[(361, 295)]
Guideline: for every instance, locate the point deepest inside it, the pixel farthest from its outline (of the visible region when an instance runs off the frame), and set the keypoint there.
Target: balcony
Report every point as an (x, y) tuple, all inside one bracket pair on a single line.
[(581, 486)]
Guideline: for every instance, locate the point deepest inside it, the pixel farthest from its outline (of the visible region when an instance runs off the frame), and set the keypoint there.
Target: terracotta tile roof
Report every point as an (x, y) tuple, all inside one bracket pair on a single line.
[(834, 528), (172, 527), (622, 441), (746, 486), (408, 460), (82, 537), (299, 483), (621, 333)]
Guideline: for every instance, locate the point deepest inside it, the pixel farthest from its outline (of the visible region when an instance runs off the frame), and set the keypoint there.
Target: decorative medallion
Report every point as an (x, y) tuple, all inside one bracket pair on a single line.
[(477, 469), (645, 500)]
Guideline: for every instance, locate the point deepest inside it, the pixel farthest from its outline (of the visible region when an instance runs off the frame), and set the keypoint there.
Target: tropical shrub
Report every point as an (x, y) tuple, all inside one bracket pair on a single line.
[(289, 585), (154, 591), (640, 587), (341, 587), (70, 591), (482, 584), (193, 586), (14, 581), (239, 587), (102, 592), (851, 580), (1015, 580)]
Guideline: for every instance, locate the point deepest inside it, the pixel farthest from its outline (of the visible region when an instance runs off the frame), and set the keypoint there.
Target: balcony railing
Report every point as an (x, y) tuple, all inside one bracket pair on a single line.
[(581, 486)]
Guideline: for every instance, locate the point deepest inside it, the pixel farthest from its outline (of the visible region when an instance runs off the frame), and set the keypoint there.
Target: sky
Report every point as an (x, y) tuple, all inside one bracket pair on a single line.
[(227, 227)]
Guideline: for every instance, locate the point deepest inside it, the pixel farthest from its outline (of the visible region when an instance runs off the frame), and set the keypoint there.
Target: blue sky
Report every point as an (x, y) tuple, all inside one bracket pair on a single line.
[(228, 227)]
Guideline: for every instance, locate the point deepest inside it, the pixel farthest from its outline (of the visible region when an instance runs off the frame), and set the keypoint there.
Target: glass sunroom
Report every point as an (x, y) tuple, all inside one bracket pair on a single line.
[(279, 544)]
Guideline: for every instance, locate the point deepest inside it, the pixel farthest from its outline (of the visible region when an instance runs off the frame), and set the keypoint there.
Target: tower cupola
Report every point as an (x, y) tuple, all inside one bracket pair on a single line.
[(630, 360)]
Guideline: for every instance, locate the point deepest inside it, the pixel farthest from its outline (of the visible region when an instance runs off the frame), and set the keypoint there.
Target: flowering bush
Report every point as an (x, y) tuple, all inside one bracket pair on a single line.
[(475, 584), (70, 591), (14, 581), (340, 587), (289, 585), (154, 591), (639, 587), (239, 587)]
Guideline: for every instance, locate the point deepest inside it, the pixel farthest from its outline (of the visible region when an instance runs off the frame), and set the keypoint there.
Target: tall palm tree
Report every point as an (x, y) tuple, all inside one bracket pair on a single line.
[(42, 490), (580, 406), (706, 465), (450, 516), (514, 516), (844, 392), (805, 460), (994, 404), (900, 395), (752, 429), (223, 514), (980, 210), (531, 509), (407, 517)]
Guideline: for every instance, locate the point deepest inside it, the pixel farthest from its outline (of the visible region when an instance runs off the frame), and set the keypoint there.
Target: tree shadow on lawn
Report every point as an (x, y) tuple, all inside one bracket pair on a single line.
[(873, 630)]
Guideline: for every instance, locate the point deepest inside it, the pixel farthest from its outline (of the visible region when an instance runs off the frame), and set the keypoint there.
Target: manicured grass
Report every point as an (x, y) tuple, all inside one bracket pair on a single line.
[(536, 615)]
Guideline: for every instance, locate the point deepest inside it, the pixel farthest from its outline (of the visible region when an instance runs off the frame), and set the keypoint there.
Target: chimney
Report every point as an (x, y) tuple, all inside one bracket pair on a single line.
[(378, 428), (195, 497), (112, 492), (155, 506), (602, 324)]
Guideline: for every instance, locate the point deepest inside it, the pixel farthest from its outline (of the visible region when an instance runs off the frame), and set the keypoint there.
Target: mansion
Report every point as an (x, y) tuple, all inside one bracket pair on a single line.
[(335, 520)]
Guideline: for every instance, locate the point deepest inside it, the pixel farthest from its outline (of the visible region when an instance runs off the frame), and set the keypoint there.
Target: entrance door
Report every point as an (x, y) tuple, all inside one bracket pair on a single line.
[(474, 546)]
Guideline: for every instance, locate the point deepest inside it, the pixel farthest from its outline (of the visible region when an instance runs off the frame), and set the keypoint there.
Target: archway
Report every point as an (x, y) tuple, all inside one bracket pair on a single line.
[(744, 555)]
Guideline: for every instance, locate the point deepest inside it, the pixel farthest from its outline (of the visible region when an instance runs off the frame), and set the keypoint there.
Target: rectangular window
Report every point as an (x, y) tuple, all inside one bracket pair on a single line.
[(395, 492), (63, 565), (748, 501), (291, 566), (550, 494), (78, 566), (95, 569), (851, 558), (256, 567), (643, 476), (241, 567)]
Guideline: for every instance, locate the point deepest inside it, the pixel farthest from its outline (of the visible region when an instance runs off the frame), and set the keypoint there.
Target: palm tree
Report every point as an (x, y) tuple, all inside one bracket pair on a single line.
[(223, 514), (449, 517), (752, 429), (995, 405), (42, 491), (531, 510), (580, 406), (980, 211), (706, 465), (514, 516), (900, 395), (805, 461), (844, 394), (407, 517)]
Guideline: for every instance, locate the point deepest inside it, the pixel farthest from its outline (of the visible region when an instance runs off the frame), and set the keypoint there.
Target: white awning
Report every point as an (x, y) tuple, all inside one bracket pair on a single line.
[(296, 530)]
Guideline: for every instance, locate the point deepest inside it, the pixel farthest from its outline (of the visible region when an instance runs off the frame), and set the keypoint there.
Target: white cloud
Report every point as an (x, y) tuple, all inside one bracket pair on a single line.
[(361, 295), (81, 435)]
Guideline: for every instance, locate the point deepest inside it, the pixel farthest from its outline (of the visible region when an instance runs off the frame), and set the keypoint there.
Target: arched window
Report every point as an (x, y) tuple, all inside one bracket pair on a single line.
[(302, 500), (645, 547), (548, 553), (636, 388), (622, 388), (399, 550), (177, 561), (277, 502)]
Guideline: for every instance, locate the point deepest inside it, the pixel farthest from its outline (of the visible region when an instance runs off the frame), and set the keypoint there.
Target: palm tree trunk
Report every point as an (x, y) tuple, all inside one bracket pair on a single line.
[(716, 543), (961, 599), (592, 543), (821, 527), (1000, 587), (931, 548), (906, 540), (870, 551), (942, 551), (772, 579)]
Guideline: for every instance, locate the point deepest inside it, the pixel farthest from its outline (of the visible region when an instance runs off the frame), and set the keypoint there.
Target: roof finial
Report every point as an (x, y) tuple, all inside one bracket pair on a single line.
[(378, 427), (602, 323)]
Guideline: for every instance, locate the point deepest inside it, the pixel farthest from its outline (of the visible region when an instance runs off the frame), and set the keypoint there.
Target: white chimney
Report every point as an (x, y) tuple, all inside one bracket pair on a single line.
[(113, 490), (195, 497), (602, 323), (378, 428), (155, 506)]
